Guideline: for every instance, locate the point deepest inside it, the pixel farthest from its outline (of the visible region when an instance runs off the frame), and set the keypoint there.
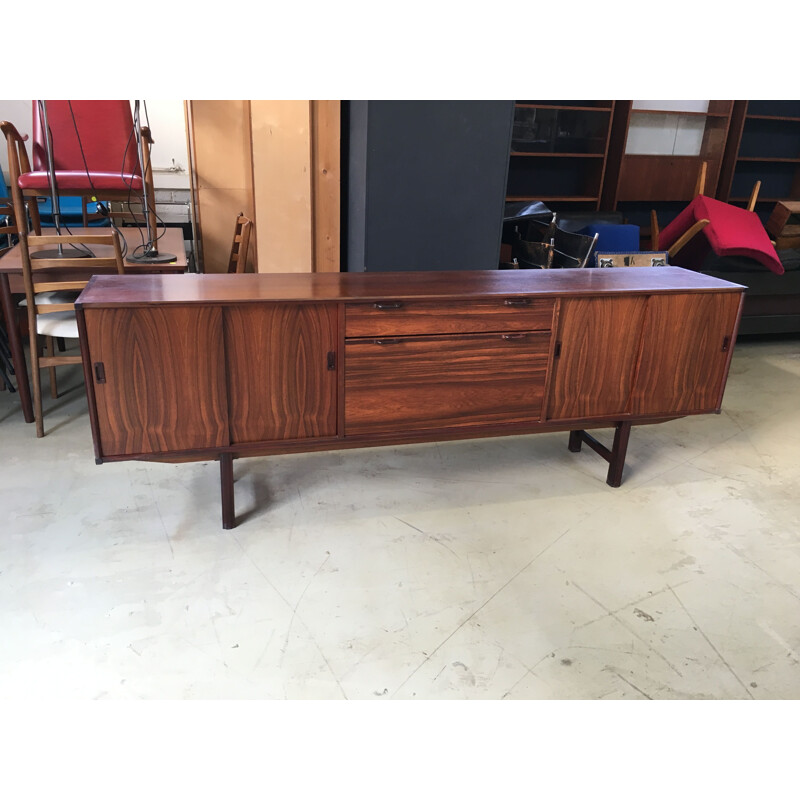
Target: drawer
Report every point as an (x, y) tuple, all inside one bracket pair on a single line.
[(419, 317), (429, 382)]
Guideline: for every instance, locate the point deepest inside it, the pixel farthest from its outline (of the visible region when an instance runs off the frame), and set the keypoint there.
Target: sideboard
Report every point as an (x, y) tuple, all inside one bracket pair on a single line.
[(196, 367)]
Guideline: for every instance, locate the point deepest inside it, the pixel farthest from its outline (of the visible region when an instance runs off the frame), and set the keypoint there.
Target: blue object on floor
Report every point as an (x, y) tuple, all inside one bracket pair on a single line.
[(614, 238)]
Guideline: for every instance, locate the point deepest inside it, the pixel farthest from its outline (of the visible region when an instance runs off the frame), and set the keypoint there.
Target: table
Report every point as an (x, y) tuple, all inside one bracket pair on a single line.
[(11, 283), (287, 363)]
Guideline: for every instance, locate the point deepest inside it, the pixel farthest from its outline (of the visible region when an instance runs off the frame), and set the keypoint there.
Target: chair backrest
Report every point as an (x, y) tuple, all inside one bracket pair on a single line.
[(58, 274), (572, 250), (99, 131), (240, 245)]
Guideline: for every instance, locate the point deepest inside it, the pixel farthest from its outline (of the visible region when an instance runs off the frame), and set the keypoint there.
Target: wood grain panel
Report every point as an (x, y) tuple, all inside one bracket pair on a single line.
[(664, 178), (281, 135), (222, 176), (443, 287), (473, 316), (594, 372), (164, 379), (683, 361), (430, 382), (326, 127), (279, 382)]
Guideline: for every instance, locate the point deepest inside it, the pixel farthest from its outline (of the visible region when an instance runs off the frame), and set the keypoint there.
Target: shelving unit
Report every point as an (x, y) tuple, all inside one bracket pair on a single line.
[(558, 151), (655, 157), (763, 145)]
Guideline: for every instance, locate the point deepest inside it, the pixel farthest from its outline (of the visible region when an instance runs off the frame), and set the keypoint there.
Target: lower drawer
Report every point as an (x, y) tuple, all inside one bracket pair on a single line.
[(428, 382)]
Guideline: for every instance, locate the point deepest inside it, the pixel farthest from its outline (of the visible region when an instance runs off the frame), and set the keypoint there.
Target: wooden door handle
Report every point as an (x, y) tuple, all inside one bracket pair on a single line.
[(385, 341), (508, 336), (387, 306)]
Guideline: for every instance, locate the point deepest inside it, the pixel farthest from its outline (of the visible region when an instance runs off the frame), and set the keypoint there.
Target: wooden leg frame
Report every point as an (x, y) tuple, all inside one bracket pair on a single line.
[(615, 456)]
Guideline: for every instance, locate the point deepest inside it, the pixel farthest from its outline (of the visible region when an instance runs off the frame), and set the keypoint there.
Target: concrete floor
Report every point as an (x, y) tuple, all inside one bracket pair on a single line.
[(501, 568)]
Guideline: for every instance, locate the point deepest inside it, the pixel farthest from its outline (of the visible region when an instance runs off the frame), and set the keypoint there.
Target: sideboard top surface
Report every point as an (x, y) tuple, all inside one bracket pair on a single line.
[(123, 290)]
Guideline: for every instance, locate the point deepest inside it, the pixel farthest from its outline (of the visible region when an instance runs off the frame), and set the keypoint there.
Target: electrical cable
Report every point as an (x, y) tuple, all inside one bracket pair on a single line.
[(56, 211)]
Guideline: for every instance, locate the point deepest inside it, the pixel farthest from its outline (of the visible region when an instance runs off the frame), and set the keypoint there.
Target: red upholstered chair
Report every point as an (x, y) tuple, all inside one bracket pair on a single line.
[(708, 223), (95, 154), (727, 230)]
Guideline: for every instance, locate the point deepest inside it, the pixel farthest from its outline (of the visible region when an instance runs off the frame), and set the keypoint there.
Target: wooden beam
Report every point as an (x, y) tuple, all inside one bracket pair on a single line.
[(326, 183)]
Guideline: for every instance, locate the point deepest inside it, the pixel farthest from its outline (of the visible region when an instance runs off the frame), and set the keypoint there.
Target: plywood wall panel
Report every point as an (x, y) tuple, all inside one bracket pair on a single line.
[(281, 134)]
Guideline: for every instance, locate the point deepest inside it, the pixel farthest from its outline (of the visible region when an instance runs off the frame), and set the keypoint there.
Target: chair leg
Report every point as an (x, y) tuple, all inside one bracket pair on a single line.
[(36, 380), (53, 385)]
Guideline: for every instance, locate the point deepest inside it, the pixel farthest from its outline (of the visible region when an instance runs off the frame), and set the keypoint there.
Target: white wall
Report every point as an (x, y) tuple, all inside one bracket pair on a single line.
[(167, 125)]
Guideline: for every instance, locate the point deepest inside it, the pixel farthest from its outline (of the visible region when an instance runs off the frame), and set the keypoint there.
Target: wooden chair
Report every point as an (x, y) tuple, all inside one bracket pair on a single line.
[(240, 245), (56, 317), (698, 226)]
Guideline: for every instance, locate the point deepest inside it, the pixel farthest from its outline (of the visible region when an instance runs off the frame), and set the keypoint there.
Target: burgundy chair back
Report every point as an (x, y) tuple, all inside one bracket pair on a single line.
[(105, 128)]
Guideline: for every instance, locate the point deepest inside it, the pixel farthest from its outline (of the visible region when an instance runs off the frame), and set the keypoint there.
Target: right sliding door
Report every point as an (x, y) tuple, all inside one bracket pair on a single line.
[(686, 339)]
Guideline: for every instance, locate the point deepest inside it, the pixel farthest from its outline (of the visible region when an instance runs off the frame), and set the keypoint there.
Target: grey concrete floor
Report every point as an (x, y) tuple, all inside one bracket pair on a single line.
[(493, 569)]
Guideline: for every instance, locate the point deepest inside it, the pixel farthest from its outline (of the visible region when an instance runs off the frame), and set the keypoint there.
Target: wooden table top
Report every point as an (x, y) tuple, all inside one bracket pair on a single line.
[(170, 242), (120, 290)]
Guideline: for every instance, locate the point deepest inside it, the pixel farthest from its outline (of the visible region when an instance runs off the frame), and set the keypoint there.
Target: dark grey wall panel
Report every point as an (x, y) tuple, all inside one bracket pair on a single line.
[(426, 183)]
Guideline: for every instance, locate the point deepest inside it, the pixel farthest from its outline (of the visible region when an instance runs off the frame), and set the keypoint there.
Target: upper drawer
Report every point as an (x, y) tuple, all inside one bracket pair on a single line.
[(396, 317)]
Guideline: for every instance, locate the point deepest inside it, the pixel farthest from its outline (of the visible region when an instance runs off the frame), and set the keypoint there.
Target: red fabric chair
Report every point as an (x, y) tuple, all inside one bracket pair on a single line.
[(730, 231), (95, 154)]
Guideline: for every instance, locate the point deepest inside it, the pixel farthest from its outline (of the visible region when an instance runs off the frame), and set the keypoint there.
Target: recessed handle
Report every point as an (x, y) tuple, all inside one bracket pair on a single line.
[(518, 301), (509, 336), (100, 372), (385, 341), (726, 343), (387, 306)]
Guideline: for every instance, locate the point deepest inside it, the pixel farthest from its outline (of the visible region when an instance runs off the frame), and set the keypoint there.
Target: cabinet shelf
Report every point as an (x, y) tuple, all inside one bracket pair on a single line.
[(760, 199), (772, 117), (769, 159), (544, 106), (553, 199), (557, 155), (673, 113)]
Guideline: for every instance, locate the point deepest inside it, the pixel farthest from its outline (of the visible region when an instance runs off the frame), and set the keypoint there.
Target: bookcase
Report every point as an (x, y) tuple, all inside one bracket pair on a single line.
[(559, 150), (763, 145), (617, 155)]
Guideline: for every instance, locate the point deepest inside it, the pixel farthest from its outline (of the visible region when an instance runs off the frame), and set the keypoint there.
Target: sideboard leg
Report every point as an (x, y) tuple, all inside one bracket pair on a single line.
[(618, 451), (226, 485), (575, 441)]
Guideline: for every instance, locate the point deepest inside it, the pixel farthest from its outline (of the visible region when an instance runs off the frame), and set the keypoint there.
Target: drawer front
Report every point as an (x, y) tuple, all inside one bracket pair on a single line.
[(420, 317), (430, 382)]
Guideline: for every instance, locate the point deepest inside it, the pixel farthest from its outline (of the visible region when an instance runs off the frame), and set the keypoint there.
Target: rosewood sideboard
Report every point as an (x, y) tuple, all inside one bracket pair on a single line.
[(195, 367)]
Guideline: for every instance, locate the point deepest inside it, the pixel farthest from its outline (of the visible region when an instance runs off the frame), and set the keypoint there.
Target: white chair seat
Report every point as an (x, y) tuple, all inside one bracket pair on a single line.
[(52, 298), (62, 324)]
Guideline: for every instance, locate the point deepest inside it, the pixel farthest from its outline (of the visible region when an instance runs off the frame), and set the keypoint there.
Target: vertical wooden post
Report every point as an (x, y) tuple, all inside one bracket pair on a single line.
[(325, 183), (618, 451), (575, 441), (226, 486)]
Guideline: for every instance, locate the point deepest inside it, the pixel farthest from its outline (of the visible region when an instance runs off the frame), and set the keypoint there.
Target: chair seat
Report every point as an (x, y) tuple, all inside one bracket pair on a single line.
[(78, 181), (52, 298), (63, 324)]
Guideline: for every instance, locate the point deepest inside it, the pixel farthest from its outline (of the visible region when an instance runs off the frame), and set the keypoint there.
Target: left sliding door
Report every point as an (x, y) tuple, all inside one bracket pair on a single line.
[(159, 378)]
